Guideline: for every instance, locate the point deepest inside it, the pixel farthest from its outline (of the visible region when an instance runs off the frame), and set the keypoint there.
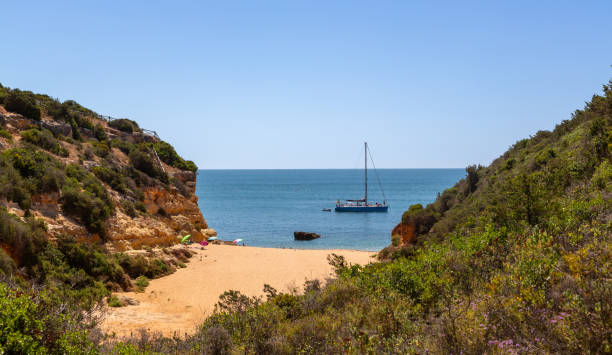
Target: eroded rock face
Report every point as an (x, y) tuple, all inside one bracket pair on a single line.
[(182, 217), (184, 176), (182, 214), (170, 214), (406, 231), (57, 127), (209, 233)]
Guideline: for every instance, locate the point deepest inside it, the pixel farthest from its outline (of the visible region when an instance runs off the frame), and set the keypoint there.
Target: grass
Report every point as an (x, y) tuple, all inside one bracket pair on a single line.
[(114, 301), (141, 283), (4, 134)]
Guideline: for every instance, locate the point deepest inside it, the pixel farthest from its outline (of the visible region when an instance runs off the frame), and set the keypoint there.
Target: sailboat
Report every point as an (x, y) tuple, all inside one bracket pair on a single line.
[(363, 205)]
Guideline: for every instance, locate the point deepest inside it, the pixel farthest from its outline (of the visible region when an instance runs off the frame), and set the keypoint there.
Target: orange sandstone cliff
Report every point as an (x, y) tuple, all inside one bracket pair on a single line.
[(167, 210)]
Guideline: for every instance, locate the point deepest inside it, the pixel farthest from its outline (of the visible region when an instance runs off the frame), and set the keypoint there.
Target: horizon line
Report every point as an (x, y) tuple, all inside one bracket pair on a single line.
[(328, 168)]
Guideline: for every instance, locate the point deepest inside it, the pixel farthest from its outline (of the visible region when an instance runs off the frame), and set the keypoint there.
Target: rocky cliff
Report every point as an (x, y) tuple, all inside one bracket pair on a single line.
[(93, 177)]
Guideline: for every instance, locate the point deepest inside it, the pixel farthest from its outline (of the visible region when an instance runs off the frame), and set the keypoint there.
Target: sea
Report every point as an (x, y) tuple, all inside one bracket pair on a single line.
[(265, 207)]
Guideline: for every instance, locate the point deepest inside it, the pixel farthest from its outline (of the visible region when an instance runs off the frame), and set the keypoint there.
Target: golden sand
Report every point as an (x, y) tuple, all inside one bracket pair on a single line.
[(179, 302)]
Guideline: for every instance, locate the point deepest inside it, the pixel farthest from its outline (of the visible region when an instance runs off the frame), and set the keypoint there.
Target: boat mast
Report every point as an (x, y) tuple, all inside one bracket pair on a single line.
[(366, 172)]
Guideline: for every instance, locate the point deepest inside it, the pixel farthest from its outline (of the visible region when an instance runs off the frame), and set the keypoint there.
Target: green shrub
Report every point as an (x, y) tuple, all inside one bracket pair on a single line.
[(125, 146), (93, 260), (44, 139), (22, 102), (32, 324), (4, 134), (141, 266), (100, 133), (25, 240), (24, 172), (128, 208), (145, 163), (168, 155), (114, 178), (113, 301), (76, 133), (84, 122), (7, 264), (124, 125), (87, 207), (141, 283), (100, 149), (140, 206), (3, 92), (423, 218)]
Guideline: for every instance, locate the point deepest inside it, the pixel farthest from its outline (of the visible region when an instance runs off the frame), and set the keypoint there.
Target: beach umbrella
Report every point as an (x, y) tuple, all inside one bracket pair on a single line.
[(212, 238), (237, 241), (184, 240)]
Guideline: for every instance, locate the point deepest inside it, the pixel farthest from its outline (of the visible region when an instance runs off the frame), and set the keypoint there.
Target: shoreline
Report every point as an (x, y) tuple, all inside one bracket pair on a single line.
[(307, 249), (179, 302)]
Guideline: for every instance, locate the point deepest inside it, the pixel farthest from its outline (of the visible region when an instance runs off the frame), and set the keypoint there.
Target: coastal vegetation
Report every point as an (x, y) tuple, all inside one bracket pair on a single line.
[(56, 164), (515, 258)]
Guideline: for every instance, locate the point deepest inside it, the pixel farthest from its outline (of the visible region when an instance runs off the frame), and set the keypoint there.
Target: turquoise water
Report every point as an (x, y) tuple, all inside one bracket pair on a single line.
[(265, 207)]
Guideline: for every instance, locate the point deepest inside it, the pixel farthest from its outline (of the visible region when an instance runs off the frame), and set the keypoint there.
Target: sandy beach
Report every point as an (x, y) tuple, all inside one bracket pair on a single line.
[(179, 302)]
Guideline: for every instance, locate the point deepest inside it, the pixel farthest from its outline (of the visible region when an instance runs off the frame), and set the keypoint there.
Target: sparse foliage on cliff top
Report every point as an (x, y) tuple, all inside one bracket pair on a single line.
[(169, 156), (22, 102), (125, 125)]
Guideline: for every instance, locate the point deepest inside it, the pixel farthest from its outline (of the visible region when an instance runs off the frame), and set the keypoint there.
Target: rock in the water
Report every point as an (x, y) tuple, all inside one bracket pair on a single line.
[(305, 236)]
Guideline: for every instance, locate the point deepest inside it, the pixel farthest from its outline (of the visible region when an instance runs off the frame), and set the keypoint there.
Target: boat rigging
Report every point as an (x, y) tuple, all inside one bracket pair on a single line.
[(363, 205)]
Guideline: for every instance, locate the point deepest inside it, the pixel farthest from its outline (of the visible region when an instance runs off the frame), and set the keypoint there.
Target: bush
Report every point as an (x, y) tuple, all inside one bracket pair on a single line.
[(4, 134), (3, 92), (22, 102), (140, 206), (128, 208), (44, 139), (124, 125), (100, 133), (112, 177), (141, 266), (24, 172), (168, 155), (100, 149), (86, 206), (145, 163), (141, 283), (422, 218), (124, 146), (7, 265), (25, 240), (32, 324), (113, 301), (93, 260)]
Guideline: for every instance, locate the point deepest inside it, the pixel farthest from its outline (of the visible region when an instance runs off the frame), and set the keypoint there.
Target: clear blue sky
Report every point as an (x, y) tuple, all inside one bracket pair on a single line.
[(301, 84)]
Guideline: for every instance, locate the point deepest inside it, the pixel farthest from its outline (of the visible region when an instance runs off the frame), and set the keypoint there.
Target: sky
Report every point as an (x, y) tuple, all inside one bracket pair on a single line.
[(302, 84)]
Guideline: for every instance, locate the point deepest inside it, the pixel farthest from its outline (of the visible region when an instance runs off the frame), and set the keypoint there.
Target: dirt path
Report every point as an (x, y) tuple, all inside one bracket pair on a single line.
[(179, 302)]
